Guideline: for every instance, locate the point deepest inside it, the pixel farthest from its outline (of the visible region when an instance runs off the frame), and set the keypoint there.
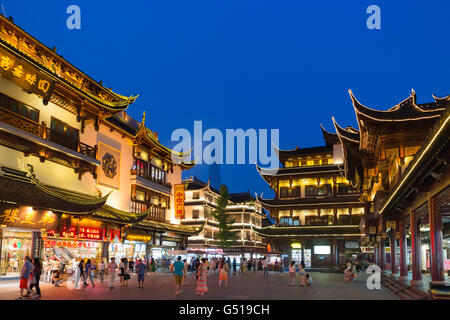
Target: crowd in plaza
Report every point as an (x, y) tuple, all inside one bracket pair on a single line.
[(81, 272)]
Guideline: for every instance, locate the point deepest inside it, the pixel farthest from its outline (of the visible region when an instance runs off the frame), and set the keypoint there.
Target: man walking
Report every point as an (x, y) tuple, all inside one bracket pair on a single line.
[(25, 277), (112, 267), (178, 270)]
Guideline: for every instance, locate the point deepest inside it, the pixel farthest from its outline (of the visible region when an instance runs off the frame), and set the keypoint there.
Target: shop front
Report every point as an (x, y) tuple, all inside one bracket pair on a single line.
[(132, 248), (20, 236), (15, 246)]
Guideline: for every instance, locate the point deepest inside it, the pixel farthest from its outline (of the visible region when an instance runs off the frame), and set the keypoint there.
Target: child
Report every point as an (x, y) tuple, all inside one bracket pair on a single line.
[(309, 281)]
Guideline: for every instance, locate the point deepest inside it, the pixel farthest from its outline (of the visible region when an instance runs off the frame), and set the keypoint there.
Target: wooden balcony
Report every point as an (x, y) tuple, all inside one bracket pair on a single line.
[(41, 131)]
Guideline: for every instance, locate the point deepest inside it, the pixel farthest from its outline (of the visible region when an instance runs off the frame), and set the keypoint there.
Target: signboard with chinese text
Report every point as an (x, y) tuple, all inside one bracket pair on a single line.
[(179, 201), (372, 230), (26, 217), (25, 75), (390, 224)]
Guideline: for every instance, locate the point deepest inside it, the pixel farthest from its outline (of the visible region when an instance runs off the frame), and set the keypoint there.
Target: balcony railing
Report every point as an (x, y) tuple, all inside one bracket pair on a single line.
[(147, 171), (40, 130), (157, 214)]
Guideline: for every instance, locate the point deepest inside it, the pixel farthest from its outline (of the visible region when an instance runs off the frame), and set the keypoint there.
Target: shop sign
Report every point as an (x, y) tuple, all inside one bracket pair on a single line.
[(25, 75), (25, 217), (372, 230), (169, 243), (139, 237), (90, 233), (69, 244), (390, 224), (179, 201), (296, 245), (351, 244)]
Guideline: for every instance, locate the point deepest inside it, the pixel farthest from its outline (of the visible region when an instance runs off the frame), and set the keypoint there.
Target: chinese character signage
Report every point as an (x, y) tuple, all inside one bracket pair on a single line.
[(26, 217), (372, 230), (109, 171), (25, 75), (179, 201), (390, 224)]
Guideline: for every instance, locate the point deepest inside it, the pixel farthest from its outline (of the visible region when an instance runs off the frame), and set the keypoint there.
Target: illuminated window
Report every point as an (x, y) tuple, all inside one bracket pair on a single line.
[(195, 214)]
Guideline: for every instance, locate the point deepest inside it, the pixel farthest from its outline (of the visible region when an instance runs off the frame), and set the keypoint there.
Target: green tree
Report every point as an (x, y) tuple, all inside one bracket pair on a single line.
[(225, 236)]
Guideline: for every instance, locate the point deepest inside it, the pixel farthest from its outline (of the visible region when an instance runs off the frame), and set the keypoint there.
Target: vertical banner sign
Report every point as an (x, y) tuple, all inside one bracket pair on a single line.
[(179, 201)]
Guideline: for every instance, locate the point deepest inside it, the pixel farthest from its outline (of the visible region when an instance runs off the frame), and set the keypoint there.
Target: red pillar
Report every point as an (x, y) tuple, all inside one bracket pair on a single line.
[(403, 250), (382, 254), (335, 254), (437, 259), (415, 251), (393, 245)]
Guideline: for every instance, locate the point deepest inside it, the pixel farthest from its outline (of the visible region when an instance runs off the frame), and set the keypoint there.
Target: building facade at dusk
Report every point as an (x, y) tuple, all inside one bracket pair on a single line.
[(399, 158), (201, 199), (79, 178), (316, 210)]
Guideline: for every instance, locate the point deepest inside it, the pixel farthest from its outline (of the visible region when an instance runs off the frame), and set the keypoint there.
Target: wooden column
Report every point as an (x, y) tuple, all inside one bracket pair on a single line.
[(382, 254), (403, 250), (393, 245), (376, 253), (416, 265), (437, 259), (336, 254)]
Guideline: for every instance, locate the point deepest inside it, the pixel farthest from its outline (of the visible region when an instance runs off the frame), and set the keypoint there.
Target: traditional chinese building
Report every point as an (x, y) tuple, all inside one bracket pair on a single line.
[(78, 176), (316, 210), (399, 158), (200, 201)]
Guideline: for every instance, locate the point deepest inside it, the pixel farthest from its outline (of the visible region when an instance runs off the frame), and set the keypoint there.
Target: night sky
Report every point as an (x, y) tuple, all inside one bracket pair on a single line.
[(250, 64)]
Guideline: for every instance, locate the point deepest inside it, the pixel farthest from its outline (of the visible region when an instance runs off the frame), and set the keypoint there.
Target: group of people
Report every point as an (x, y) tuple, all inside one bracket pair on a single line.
[(305, 278), (29, 278), (349, 272)]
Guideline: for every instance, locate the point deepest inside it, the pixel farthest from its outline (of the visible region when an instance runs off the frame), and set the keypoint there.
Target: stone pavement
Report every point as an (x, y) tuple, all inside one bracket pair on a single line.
[(241, 287)]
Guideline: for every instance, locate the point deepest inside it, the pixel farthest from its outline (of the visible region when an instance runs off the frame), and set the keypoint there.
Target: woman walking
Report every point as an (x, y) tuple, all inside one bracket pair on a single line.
[(185, 272), (89, 272), (36, 276), (223, 272), (302, 274), (292, 273), (202, 274), (126, 275), (153, 267), (122, 270)]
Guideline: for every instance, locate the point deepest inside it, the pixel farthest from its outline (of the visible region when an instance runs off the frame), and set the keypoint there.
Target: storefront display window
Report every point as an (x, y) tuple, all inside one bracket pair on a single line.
[(15, 246)]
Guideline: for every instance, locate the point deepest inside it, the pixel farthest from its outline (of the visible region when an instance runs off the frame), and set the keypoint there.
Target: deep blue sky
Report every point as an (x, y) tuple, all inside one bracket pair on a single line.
[(250, 64)]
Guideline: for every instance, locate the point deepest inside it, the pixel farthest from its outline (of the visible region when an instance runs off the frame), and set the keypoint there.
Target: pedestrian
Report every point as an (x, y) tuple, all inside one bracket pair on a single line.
[(249, 265), (185, 273), (212, 268), (234, 265), (122, 270), (131, 265), (292, 272), (302, 273), (140, 270), (89, 272), (153, 267), (36, 276), (223, 272), (254, 265), (265, 269), (81, 275), (25, 275), (276, 265), (112, 267), (76, 273), (281, 266), (202, 274), (177, 268), (101, 269), (126, 275)]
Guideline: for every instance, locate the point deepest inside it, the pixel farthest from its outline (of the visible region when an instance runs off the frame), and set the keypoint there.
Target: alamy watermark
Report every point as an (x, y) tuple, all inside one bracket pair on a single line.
[(374, 20), (374, 280), (235, 146), (74, 20)]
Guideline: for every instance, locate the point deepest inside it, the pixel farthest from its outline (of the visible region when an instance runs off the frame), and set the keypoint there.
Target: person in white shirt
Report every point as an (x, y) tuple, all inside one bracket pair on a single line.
[(112, 267), (309, 281), (102, 268)]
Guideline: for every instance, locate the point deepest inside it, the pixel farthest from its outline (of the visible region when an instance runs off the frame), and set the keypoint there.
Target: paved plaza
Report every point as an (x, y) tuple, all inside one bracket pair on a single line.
[(241, 287)]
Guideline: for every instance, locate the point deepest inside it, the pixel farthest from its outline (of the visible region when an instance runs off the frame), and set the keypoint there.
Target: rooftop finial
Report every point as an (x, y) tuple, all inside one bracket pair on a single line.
[(143, 118)]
